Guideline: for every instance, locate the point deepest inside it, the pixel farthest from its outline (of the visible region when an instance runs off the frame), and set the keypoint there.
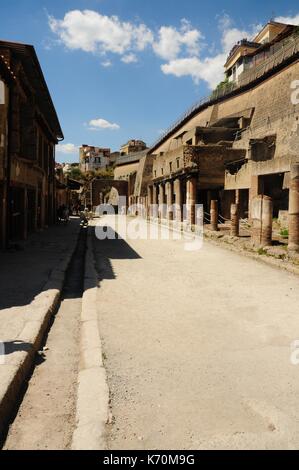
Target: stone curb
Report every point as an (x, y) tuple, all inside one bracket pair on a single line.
[(17, 366), (92, 412)]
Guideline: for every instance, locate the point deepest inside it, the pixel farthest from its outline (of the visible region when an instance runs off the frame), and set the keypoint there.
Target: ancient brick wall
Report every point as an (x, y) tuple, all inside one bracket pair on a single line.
[(143, 176), (124, 171), (274, 113)]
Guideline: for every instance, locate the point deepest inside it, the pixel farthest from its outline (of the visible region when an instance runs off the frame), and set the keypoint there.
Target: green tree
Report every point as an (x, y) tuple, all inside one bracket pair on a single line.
[(75, 173)]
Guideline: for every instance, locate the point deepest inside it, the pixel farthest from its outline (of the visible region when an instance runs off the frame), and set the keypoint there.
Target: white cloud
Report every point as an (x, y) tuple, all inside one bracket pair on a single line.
[(142, 37), (180, 48), (129, 58), (171, 41), (288, 19), (67, 149), (106, 63), (210, 69), (90, 31), (98, 124)]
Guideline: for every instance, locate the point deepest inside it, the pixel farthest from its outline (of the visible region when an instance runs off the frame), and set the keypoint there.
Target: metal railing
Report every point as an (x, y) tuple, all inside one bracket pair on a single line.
[(130, 158)]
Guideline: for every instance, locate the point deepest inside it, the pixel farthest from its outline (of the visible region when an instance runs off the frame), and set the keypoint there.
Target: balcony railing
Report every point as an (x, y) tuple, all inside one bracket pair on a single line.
[(289, 48)]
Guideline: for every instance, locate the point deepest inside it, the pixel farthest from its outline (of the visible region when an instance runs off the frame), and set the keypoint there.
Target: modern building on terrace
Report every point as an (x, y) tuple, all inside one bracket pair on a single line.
[(94, 158), (247, 54), (132, 146)]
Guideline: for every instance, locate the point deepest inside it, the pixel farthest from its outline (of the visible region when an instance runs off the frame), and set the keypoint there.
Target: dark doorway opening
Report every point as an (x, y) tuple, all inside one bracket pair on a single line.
[(17, 201), (31, 212), (272, 186)]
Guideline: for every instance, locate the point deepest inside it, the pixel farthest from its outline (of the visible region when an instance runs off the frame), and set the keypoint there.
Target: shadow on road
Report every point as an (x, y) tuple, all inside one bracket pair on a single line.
[(24, 273), (106, 250), (13, 346)]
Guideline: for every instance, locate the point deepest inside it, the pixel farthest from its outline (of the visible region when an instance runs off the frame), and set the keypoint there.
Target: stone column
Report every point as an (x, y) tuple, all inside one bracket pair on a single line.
[(294, 209), (155, 194), (191, 198), (255, 190), (178, 200), (209, 199), (161, 201), (155, 202), (267, 220), (169, 195), (149, 201), (262, 216), (214, 215), (234, 217)]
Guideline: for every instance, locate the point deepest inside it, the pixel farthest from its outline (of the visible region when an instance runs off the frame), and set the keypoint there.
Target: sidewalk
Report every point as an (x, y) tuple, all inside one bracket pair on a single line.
[(31, 280), (24, 273)]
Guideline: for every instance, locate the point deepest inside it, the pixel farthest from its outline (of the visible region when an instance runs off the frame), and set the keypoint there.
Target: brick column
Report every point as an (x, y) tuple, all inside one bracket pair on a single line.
[(178, 200), (191, 199), (262, 217), (234, 216), (214, 215), (294, 209)]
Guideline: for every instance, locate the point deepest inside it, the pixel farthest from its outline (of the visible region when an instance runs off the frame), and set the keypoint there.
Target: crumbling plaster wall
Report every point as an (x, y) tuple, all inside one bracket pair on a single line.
[(143, 176), (124, 171)]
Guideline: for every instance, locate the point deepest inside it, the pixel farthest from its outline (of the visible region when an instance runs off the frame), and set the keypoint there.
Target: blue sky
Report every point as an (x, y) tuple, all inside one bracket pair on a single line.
[(121, 69)]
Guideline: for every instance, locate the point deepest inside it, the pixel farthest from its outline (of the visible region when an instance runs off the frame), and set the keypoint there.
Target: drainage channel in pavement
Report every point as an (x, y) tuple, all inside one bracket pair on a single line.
[(45, 414)]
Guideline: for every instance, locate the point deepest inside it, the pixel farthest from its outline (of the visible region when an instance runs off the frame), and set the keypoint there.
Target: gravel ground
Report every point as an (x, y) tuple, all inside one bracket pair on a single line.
[(197, 347)]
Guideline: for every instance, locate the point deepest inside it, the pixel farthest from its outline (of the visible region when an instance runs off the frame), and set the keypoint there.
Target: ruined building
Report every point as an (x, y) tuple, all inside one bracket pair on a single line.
[(29, 131), (94, 158), (130, 177), (132, 146), (127, 168), (243, 140)]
